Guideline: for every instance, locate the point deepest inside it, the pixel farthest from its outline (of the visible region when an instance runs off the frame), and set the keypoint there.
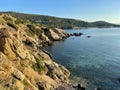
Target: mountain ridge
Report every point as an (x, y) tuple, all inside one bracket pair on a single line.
[(64, 23)]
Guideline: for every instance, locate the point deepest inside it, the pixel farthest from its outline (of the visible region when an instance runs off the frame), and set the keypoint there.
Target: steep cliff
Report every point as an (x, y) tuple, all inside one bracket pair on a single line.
[(23, 65)]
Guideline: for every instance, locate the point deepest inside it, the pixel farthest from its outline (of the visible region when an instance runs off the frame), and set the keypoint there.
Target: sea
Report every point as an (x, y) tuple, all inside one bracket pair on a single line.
[(94, 61)]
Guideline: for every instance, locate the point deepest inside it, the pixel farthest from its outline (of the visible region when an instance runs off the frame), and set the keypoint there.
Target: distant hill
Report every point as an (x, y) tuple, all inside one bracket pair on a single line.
[(63, 23), (104, 24)]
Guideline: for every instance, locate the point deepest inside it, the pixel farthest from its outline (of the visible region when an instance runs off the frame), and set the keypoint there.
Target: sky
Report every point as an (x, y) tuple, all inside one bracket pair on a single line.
[(87, 10)]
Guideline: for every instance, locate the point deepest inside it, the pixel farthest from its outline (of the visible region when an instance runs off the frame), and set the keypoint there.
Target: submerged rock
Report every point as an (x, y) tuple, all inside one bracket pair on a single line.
[(76, 34), (78, 87), (119, 79), (88, 36)]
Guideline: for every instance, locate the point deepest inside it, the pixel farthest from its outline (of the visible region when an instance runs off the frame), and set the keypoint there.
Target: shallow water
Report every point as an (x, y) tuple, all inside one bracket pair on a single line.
[(96, 59)]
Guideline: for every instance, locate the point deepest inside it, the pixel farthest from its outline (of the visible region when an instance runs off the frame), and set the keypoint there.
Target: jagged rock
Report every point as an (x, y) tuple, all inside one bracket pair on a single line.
[(65, 86), (57, 72), (17, 74), (55, 34), (50, 85), (31, 42)]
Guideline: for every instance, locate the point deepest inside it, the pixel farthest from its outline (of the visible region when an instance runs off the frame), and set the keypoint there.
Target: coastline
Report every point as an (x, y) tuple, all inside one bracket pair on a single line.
[(73, 80), (22, 64), (20, 51), (93, 70)]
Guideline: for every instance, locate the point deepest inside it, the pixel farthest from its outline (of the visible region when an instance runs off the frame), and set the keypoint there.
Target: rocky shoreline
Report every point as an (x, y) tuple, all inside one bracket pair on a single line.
[(23, 66)]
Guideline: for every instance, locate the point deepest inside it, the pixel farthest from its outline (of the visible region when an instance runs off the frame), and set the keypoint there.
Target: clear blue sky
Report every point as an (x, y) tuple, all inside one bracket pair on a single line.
[(89, 10)]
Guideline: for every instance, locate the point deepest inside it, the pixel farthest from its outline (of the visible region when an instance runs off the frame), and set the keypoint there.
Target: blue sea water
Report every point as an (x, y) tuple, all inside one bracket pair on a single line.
[(95, 59)]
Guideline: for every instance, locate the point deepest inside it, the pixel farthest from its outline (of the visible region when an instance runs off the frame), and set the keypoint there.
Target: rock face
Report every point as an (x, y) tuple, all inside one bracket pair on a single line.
[(23, 66), (55, 34)]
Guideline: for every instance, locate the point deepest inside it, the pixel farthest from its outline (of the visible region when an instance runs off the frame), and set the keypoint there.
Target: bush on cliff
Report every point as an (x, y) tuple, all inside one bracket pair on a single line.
[(34, 29), (39, 66), (22, 21)]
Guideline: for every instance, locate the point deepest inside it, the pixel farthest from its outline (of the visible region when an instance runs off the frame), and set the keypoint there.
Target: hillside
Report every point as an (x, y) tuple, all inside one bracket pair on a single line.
[(23, 64), (63, 23)]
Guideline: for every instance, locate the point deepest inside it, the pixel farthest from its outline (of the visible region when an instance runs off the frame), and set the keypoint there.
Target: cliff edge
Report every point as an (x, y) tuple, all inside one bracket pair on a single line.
[(23, 65)]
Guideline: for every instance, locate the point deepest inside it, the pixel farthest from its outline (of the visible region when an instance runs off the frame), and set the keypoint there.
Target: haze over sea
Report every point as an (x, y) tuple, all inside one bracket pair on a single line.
[(96, 59)]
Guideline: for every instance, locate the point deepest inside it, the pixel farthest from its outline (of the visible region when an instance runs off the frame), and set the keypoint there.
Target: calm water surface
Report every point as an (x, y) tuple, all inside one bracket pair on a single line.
[(95, 59)]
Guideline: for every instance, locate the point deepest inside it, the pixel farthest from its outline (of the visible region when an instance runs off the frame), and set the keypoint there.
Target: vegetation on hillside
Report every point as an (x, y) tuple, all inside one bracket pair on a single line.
[(63, 23)]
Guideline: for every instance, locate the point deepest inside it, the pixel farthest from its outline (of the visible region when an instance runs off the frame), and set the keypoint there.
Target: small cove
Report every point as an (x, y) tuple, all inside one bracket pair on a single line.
[(95, 59)]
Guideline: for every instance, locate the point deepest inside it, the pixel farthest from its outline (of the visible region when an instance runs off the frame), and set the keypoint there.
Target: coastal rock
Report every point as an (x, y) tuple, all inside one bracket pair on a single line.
[(65, 86), (50, 85), (76, 34), (55, 34), (57, 72), (88, 36), (23, 65), (10, 77)]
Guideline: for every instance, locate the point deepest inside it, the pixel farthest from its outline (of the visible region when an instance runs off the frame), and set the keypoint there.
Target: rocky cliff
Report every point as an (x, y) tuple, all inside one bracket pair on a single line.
[(23, 65)]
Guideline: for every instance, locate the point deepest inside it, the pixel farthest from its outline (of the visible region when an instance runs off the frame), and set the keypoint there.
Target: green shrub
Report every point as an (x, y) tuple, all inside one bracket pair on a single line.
[(39, 66), (22, 21)]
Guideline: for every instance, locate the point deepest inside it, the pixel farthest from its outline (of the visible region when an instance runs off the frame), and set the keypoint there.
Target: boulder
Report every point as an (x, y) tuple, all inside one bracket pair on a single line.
[(50, 85)]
